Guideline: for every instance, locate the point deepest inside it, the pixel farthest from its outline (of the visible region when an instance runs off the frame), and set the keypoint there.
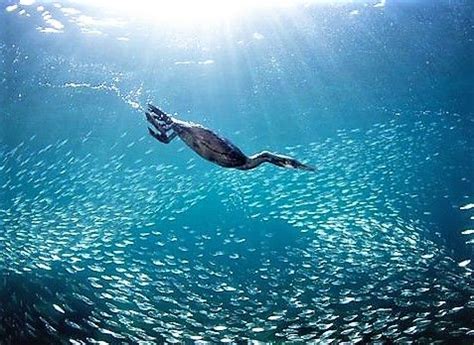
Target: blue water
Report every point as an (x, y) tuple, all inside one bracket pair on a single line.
[(108, 236)]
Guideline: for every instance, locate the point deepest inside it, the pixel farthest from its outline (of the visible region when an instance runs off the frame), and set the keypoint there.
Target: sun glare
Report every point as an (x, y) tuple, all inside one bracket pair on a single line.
[(184, 12), (93, 15)]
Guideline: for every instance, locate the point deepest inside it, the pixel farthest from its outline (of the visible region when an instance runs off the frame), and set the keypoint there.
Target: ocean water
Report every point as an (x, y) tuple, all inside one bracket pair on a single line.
[(108, 236)]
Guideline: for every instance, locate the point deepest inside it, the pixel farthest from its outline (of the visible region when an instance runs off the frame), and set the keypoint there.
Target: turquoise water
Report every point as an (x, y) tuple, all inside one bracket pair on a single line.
[(108, 236)]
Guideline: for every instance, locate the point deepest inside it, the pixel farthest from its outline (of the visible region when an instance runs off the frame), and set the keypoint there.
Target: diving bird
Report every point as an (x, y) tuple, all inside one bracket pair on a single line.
[(211, 146)]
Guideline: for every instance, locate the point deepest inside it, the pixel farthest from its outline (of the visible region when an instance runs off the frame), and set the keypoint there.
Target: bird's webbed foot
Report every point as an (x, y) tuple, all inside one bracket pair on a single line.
[(159, 115), (162, 136), (155, 121)]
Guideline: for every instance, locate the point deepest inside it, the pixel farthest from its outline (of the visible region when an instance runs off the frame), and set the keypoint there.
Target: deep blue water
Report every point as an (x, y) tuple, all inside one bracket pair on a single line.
[(108, 236)]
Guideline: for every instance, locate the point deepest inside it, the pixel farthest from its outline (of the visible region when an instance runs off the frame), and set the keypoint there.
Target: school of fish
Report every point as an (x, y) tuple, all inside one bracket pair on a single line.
[(127, 248)]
